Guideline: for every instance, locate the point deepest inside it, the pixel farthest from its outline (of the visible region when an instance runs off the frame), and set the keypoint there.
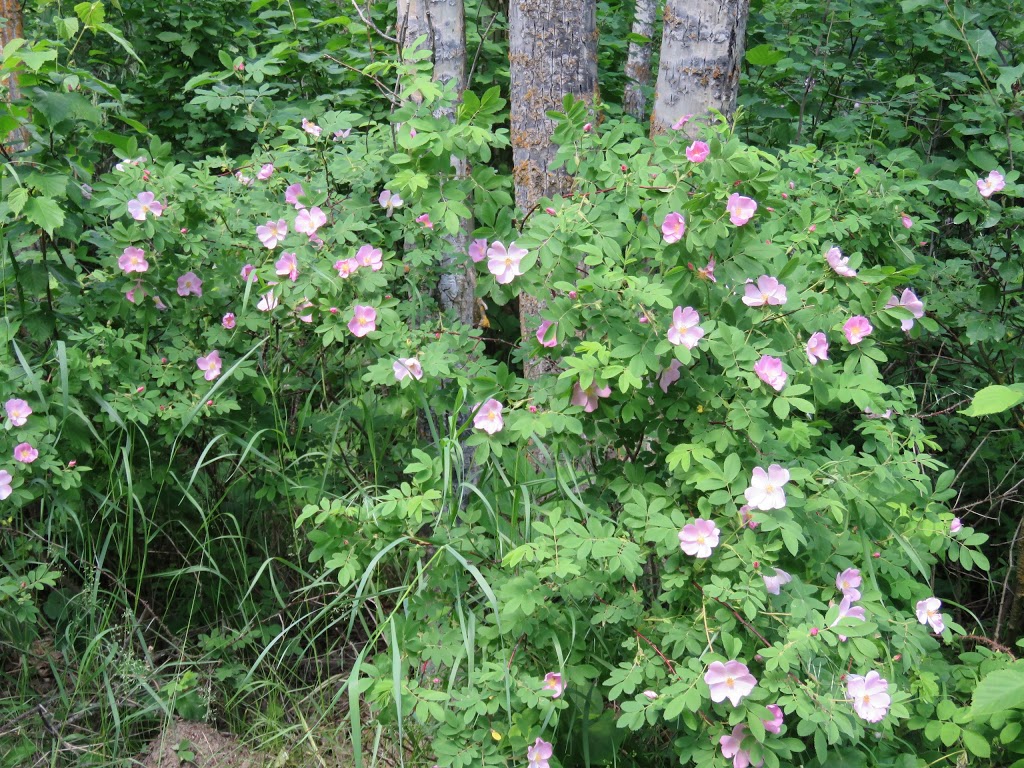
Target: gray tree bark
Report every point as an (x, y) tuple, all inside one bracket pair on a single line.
[(638, 60), (412, 23), (552, 52), (10, 28), (457, 285), (443, 23), (701, 53)]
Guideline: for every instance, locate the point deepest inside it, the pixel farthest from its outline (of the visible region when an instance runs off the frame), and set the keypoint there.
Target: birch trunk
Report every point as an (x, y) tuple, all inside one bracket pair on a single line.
[(413, 23), (443, 22), (10, 28), (456, 287), (701, 54), (638, 60), (552, 52)]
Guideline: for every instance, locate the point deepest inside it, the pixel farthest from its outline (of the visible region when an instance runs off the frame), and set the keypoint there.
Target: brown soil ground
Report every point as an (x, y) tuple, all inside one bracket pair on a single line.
[(210, 749)]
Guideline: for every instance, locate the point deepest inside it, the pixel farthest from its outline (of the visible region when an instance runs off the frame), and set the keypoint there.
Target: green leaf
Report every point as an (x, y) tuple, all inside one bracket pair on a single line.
[(116, 36), (995, 399), (35, 59), (764, 55), (976, 744), (91, 14), (17, 199), (45, 213), (999, 691)]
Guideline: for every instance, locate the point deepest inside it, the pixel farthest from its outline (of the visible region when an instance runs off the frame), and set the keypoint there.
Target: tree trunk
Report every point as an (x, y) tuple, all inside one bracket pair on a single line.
[(10, 28), (457, 285), (701, 53), (413, 23), (638, 60), (443, 22), (552, 52)]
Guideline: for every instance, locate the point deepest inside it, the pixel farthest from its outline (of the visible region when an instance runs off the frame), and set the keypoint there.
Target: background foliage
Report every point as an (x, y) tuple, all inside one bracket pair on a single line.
[(339, 565)]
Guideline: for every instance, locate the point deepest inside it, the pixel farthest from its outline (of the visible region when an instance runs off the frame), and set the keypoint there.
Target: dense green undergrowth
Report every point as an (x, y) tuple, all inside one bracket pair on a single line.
[(258, 477)]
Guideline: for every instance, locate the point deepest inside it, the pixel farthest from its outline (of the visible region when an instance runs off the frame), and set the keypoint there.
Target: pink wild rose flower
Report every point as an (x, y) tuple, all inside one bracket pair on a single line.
[(840, 264), (364, 320), (685, 329), (848, 582), (272, 233), (538, 755), (907, 300), (143, 205), (292, 195), (210, 365), (478, 249), (847, 610), (767, 488), (708, 272), (769, 370), (6, 478), (25, 453), (424, 219), (673, 228), (699, 538), (817, 348), (588, 397), (553, 682), (670, 375), (773, 584), (368, 256), (311, 128), (405, 367), (346, 267), (488, 417), (740, 209), (732, 746), (136, 293), (768, 290), (389, 201), (857, 328), (309, 221), (249, 273), (994, 182), (228, 321), (955, 525), (301, 307), (869, 695), (267, 302), (679, 124), (505, 263), (731, 681), (542, 334), (775, 724), (266, 171), (133, 260), (189, 284), (287, 266), (698, 152), (928, 612), (18, 411), (906, 221)]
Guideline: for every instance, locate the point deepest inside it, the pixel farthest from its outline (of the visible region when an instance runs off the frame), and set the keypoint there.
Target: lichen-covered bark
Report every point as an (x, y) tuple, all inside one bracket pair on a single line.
[(456, 287), (443, 23), (552, 52), (413, 23), (701, 52), (10, 28), (638, 60)]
